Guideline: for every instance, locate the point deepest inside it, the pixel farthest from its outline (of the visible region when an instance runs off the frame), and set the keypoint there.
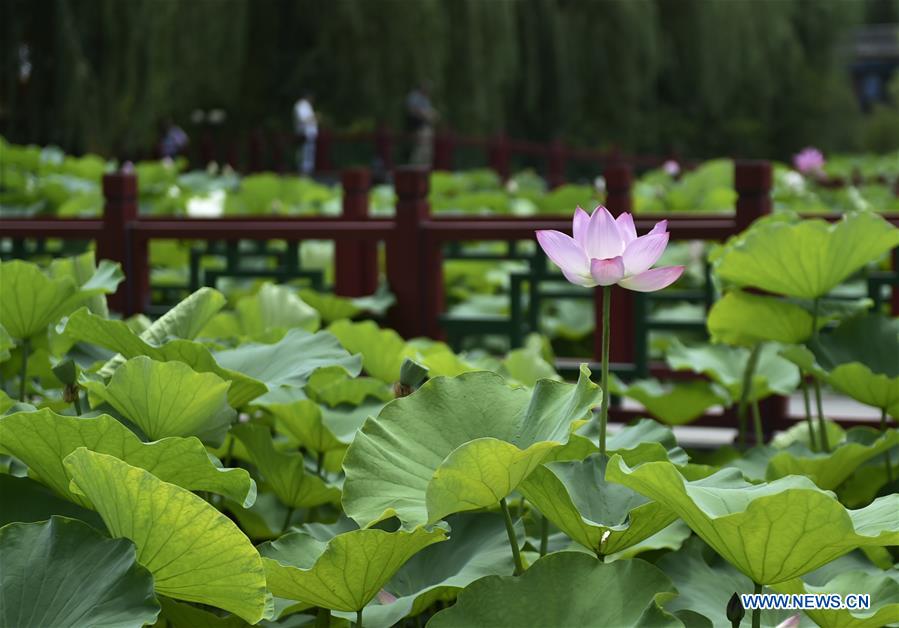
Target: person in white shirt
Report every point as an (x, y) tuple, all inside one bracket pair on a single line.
[(305, 126)]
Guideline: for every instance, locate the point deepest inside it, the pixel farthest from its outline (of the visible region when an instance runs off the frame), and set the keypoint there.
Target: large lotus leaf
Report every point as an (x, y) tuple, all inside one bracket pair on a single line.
[(705, 584), (478, 546), (117, 336), (771, 532), (554, 592), (862, 357), (344, 573), (883, 589), (284, 472), (458, 444), (676, 403), (63, 573), (194, 552), (30, 300), (382, 350), (744, 319), (43, 439), (603, 517), (646, 440), (829, 470), (26, 500), (167, 399), (291, 360), (806, 259), (319, 428), (725, 365)]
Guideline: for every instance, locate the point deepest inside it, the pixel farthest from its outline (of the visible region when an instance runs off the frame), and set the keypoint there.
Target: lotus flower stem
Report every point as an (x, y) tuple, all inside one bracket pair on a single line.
[(320, 464), (513, 541), (604, 408), (76, 401), (748, 372), (757, 612), (825, 445), (886, 454), (808, 412), (23, 386)]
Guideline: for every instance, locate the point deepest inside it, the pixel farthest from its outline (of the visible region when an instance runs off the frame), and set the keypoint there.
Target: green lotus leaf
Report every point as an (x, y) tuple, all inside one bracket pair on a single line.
[(6, 343), (291, 360), (458, 444), (771, 532), (382, 350), (117, 336), (43, 439), (862, 357), (30, 300), (181, 615), (285, 473), (798, 433), (26, 501), (63, 573), (676, 403), (273, 307), (478, 546), (167, 399), (883, 588), (744, 319), (528, 366), (82, 269), (344, 573), (802, 357), (330, 307), (626, 593), (332, 386), (605, 518), (807, 259), (671, 537), (193, 551), (725, 365), (829, 470), (319, 428), (646, 440), (705, 584)]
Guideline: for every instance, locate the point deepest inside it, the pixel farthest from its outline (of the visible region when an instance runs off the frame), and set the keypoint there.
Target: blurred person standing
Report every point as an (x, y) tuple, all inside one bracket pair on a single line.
[(305, 126), (420, 119)]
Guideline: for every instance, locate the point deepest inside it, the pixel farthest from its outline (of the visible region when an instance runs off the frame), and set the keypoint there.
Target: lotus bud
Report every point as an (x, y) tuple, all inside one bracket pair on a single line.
[(412, 375), (70, 393), (735, 611)]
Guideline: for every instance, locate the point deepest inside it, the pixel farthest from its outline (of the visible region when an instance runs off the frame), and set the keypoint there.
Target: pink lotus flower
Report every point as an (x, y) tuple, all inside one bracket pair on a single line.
[(671, 167), (808, 161), (606, 251)]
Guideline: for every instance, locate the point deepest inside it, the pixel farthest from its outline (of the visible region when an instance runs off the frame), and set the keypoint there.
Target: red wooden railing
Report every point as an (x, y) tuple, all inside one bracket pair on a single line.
[(413, 241)]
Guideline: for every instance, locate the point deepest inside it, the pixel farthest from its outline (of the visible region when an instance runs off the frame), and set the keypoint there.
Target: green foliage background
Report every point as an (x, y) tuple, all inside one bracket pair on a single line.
[(703, 77)]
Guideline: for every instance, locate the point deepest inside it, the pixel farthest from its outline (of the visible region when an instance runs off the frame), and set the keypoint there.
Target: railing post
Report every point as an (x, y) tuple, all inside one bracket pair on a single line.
[(752, 182), (498, 155), (555, 171), (119, 209), (619, 179), (444, 147), (405, 258), (384, 146), (355, 261)]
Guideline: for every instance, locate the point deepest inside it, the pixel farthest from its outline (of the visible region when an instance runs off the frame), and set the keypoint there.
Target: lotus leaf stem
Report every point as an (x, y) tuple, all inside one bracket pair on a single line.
[(287, 520), (604, 408), (808, 412), (323, 617), (748, 372), (359, 618), (886, 454), (513, 541), (822, 428), (544, 535), (76, 401), (757, 612), (23, 386)]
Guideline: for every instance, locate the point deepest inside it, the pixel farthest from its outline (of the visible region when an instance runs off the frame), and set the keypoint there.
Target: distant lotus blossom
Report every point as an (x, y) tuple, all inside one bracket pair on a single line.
[(808, 161), (671, 167), (606, 251), (790, 622)]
